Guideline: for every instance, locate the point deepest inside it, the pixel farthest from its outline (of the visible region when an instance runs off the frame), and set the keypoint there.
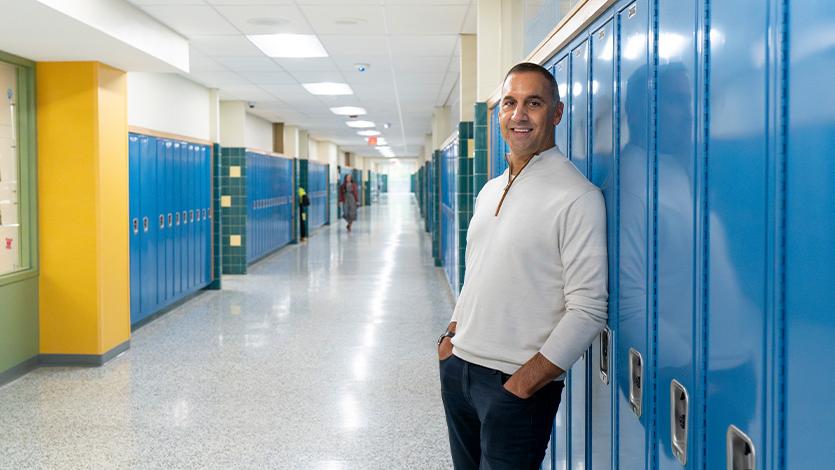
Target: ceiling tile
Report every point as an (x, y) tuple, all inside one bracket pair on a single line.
[(422, 64), (405, 46), (200, 63), (423, 19), (249, 64), (191, 20), (346, 19), (317, 64), (347, 44), (249, 18), (249, 2), (270, 78), (315, 77), (225, 46)]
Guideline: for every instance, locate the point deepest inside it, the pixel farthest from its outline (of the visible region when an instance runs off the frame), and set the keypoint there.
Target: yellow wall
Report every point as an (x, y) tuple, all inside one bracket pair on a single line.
[(83, 208)]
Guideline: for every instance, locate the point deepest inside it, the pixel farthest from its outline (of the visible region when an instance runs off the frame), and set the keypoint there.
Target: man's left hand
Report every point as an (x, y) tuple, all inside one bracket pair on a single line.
[(532, 376)]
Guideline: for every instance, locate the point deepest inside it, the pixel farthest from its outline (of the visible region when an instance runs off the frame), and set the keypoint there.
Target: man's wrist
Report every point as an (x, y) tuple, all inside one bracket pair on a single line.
[(446, 334)]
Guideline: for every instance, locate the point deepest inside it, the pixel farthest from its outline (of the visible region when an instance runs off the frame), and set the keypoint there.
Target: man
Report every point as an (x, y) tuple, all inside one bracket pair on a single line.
[(534, 294), (304, 201)]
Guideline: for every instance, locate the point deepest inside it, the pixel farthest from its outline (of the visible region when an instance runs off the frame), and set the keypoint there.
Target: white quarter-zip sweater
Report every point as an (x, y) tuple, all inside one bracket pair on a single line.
[(536, 274)]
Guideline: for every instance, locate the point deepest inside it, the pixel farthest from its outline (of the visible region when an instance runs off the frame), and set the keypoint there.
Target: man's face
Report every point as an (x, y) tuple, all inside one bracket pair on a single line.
[(527, 113)]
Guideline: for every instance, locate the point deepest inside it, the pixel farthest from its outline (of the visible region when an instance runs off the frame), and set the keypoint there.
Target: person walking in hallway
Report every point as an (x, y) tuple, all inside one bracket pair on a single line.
[(535, 289), (349, 198)]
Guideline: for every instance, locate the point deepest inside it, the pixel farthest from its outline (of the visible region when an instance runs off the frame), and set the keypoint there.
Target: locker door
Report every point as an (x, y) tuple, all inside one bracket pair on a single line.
[(578, 378), (148, 235), (633, 344), (159, 219), (176, 154), (810, 238), (250, 199), (678, 382), (192, 181), (201, 211), (738, 229), (168, 191), (135, 225), (603, 175), (561, 434)]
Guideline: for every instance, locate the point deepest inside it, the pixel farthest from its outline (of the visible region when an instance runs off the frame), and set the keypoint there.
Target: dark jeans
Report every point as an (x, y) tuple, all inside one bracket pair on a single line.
[(489, 427)]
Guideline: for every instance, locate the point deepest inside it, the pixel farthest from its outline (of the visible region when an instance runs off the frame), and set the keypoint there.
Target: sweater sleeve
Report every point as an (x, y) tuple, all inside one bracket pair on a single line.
[(582, 232)]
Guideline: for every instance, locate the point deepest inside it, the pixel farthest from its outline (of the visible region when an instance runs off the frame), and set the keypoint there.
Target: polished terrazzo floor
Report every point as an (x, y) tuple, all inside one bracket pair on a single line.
[(321, 358)]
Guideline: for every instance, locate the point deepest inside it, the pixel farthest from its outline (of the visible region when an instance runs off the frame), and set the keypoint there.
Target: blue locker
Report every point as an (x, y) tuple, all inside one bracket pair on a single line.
[(148, 232), (560, 72), (192, 225), (604, 175), (135, 226), (205, 199), (578, 378), (177, 161), (679, 207), (633, 344), (809, 233), (159, 219), (561, 435), (168, 195)]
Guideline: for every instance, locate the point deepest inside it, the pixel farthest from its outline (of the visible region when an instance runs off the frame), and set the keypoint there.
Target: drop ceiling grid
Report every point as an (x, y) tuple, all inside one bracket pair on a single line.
[(423, 67)]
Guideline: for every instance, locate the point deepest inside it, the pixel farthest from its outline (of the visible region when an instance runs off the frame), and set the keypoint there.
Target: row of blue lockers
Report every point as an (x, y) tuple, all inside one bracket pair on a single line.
[(712, 146), (170, 222), (317, 191), (270, 204), (449, 240)]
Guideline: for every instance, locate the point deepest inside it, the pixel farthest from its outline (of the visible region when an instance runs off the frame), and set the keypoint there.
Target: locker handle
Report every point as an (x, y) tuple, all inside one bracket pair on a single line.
[(185, 217), (742, 455), (679, 406), (170, 219), (204, 214), (177, 222), (144, 224), (191, 216), (210, 214), (636, 374), (198, 215), (605, 347), (135, 226), (161, 221)]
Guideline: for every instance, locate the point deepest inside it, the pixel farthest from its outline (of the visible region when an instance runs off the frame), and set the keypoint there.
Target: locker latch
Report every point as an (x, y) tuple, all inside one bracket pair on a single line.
[(161, 221), (144, 224), (170, 219), (679, 420), (135, 226), (741, 452), (185, 217), (636, 374), (605, 347), (191, 216), (177, 221)]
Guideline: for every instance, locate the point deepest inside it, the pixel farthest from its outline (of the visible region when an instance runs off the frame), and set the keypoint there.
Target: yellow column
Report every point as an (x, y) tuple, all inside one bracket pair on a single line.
[(83, 211)]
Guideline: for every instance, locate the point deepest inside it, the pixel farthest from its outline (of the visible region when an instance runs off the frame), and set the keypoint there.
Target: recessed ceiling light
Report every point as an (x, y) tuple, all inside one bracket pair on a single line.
[(368, 133), (289, 45), (328, 88), (360, 124), (348, 111), (267, 21)]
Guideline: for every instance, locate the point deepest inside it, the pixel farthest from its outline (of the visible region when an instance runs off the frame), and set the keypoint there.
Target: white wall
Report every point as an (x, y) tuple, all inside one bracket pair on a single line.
[(258, 133), (169, 103), (233, 123)]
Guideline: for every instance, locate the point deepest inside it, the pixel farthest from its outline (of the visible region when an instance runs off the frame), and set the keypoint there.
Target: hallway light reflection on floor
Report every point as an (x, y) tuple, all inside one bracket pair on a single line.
[(350, 413)]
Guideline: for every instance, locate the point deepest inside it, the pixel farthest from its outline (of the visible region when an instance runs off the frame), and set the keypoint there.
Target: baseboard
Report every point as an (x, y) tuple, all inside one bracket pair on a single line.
[(82, 360), (18, 371)]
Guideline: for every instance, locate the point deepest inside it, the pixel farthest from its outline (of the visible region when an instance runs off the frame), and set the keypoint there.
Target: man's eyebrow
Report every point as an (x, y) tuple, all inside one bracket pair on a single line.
[(531, 97)]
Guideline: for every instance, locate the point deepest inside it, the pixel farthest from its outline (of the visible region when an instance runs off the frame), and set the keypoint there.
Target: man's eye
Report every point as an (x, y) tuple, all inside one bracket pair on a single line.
[(534, 104), (507, 103)]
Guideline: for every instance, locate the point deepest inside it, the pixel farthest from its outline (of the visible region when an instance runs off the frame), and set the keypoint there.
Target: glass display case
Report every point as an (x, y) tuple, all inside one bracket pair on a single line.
[(10, 229)]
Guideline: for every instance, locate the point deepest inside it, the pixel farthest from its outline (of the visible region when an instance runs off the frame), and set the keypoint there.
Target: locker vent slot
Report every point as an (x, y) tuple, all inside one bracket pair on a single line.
[(636, 386), (679, 401), (741, 451), (633, 10)]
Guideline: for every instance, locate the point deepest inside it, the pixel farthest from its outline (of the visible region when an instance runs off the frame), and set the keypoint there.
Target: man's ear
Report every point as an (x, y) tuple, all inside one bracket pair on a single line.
[(558, 113)]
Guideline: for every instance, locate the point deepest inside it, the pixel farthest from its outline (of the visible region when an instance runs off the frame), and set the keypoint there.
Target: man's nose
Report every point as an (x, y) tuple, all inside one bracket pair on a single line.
[(519, 113)]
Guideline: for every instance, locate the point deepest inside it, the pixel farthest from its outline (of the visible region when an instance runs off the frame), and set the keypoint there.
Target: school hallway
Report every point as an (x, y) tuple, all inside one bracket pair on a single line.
[(321, 357)]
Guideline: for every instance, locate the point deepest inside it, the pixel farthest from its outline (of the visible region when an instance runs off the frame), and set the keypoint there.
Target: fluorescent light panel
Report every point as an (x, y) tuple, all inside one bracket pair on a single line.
[(348, 111), (289, 45), (368, 133), (360, 124), (328, 88)]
